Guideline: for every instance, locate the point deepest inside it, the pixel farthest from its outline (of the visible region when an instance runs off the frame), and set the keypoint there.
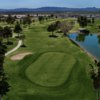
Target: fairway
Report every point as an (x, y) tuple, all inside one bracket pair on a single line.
[(56, 70)]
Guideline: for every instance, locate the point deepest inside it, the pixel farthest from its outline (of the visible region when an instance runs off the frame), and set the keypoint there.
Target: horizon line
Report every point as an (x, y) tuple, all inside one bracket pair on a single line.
[(48, 6)]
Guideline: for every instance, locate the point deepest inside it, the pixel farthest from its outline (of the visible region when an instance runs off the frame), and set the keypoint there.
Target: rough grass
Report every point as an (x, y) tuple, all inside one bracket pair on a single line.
[(57, 70)]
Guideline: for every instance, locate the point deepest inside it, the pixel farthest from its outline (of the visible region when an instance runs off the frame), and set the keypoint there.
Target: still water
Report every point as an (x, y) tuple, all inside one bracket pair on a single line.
[(90, 43)]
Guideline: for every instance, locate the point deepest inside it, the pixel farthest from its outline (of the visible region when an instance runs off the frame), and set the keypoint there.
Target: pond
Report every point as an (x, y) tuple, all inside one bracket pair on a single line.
[(89, 42)]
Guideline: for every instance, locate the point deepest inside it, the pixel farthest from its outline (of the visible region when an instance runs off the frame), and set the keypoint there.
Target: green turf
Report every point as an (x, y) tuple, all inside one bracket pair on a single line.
[(57, 69), (75, 28), (52, 70), (94, 28)]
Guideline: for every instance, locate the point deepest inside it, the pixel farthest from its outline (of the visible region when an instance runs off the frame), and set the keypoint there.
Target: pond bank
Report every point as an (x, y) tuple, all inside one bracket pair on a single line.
[(88, 53)]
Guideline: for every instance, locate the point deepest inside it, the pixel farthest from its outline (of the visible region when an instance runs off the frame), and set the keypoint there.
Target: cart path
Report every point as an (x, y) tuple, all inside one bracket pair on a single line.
[(14, 49)]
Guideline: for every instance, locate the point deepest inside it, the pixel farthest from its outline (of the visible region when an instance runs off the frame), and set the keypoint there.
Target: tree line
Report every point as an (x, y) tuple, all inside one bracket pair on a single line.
[(95, 76), (4, 85), (84, 21)]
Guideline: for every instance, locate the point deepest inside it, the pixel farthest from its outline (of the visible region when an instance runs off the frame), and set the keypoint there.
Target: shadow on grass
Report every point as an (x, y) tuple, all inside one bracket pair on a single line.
[(53, 36)]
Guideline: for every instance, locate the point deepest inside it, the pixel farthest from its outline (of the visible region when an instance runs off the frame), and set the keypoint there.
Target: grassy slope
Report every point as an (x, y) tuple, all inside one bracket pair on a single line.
[(67, 82)]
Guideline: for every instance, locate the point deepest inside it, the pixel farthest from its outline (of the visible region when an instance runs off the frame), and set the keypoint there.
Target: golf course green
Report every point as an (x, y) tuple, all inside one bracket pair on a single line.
[(56, 70)]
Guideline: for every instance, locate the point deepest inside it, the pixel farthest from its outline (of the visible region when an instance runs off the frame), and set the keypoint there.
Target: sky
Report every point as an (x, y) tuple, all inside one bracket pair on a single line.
[(11, 4)]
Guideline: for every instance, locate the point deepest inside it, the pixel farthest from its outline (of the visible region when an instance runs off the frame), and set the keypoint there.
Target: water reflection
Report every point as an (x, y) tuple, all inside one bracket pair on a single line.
[(98, 39), (90, 42), (80, 37)]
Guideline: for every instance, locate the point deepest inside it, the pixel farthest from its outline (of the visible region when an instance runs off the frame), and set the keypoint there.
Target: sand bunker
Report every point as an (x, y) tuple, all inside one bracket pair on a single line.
[(20, 56)]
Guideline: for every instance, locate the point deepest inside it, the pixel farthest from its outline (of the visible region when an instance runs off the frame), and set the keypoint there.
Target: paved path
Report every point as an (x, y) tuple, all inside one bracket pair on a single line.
[(14, 49)]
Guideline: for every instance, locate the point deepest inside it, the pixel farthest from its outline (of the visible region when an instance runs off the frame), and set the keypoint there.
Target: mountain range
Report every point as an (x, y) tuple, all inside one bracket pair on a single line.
[(51, 9)]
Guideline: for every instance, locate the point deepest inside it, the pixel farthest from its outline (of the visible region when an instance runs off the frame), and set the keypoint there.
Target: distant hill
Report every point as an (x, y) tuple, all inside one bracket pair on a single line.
[(67, 9), (51, 9)]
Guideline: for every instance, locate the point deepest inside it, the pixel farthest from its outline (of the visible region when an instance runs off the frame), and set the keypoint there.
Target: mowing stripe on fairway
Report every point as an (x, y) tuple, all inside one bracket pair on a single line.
[(51, 69)]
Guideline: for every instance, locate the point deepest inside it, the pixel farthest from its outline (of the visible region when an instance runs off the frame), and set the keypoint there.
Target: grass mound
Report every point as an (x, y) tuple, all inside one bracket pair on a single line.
[(50, 69)]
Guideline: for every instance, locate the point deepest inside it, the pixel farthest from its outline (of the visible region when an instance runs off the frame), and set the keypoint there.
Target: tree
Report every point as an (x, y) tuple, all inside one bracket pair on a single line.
[(18, 29), (10, 19), (52, 16), (93, 20), (7, 33), (27, 20), (57, 24), (40, 18), (51, 28), (96, 77), (65, 27), (21, 21), (83, 21), (1, 31), (4, 86)]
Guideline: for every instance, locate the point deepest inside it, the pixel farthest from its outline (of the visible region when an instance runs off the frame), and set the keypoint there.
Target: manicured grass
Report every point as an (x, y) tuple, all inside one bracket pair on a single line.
[(57, 69), (14, 41), (52, 69), (75, 28), (94, 27)]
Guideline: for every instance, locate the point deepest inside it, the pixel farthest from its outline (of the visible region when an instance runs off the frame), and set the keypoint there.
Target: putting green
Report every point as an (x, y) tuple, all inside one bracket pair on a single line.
[(51, 69)]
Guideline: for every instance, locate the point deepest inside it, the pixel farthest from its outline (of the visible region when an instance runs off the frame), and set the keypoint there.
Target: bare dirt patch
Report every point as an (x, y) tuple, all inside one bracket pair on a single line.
[(20, 56)]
